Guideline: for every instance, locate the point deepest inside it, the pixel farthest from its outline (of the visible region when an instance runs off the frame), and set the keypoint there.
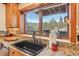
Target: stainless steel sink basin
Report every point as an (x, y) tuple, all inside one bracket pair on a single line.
[(29, 47)]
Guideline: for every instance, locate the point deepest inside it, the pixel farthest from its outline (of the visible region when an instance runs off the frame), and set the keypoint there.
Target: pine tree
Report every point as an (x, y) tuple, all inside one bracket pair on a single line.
[(60, 24)]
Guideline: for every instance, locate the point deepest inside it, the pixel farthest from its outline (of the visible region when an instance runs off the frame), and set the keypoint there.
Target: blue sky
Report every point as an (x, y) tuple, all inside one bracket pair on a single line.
[(34, 18)]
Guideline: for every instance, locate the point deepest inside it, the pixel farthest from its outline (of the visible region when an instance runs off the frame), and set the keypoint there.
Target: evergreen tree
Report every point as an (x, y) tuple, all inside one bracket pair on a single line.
[(53, 24), (60, 24)]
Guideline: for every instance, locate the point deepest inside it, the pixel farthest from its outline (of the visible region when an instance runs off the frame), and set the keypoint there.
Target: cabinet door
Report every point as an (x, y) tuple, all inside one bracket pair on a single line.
[(11, 15), (14, 52)]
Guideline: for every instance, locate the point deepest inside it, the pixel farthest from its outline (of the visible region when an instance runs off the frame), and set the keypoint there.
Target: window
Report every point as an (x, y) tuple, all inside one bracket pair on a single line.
[(54, 20), (32, 22)]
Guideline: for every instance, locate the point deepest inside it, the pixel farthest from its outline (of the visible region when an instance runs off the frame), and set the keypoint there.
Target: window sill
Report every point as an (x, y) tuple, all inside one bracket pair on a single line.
[(47, 38)]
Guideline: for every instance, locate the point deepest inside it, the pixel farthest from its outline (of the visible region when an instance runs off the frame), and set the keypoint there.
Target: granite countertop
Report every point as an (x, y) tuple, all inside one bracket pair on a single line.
[(69, 50), (3, 52), (64, 49), (47, 52)]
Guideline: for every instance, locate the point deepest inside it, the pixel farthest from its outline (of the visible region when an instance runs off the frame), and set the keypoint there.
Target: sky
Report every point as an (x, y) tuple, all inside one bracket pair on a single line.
[(34, 18)]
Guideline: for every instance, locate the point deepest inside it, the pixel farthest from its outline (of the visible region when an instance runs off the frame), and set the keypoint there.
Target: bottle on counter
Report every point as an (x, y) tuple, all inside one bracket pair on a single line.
[(52, 41)]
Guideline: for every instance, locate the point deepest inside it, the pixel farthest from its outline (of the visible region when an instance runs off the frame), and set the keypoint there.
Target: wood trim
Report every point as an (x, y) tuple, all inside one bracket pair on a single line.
[(68, 20), (25, 23), (33, 6), (18, 19), (40, 22), (77, 19), (73, 23)]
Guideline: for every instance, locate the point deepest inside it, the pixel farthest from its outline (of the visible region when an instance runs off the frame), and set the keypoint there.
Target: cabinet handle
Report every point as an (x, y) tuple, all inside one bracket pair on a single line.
[(13, 52)]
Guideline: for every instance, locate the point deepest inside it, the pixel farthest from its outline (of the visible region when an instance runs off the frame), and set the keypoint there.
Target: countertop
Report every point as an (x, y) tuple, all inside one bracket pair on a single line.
[(3, 52), (65, 50), (45, 52)]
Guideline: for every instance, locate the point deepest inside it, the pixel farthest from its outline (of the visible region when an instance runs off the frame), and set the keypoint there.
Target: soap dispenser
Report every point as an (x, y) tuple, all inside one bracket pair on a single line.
[(52, 39)]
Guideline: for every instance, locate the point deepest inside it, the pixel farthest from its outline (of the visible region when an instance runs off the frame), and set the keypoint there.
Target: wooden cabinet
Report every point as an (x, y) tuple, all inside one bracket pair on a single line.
[(14, 52), (13, 34), (12, 19), (12, 15)]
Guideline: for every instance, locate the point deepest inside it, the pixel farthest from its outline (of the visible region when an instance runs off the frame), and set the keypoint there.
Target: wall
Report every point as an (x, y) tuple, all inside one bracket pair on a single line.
[(2, 17), (22, 23)]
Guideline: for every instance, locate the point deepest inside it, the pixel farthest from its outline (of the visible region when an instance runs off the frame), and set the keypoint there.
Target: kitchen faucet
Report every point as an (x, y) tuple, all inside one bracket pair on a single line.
[(36, 40), (33, 37)]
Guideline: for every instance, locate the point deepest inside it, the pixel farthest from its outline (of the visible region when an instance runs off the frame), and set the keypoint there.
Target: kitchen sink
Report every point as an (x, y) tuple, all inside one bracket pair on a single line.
[(29, 47)]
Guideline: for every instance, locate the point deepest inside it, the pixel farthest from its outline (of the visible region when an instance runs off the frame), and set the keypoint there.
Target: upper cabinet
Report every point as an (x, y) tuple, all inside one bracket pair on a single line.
[(12, 15)]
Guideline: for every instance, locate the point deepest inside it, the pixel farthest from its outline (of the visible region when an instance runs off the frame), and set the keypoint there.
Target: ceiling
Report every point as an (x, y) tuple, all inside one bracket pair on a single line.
[(55, 9)]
